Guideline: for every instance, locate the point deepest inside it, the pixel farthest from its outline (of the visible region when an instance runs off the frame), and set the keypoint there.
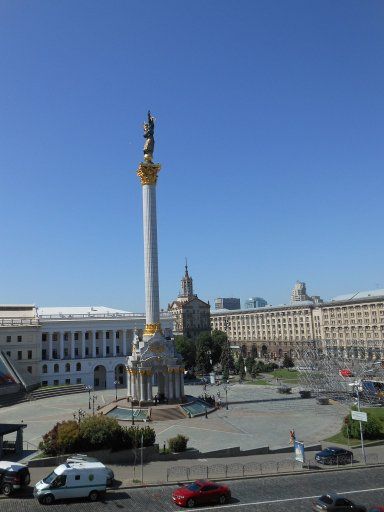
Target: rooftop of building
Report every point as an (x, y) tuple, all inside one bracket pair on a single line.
[(359, 295)]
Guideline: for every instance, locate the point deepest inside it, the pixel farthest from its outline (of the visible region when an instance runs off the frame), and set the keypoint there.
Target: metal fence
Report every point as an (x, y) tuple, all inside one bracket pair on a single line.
[(215, 471)]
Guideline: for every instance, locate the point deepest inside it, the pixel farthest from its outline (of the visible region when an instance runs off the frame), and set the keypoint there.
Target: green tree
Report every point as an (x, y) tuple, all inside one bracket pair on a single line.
[(240, 367), (288, 361), (99, 432), (371, 428), (203, 353), (254, 369), (249, 363), (226, 361), (186, 347), (219, 341)]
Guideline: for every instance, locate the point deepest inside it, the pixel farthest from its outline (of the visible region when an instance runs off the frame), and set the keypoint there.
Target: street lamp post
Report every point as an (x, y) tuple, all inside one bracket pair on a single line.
[(116, 383), (78, 415), (89, 389), (226, 396), (356, 386), (132, 411), (94, 398)]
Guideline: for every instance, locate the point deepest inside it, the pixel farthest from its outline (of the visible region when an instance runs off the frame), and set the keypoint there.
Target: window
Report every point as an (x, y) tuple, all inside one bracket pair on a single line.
[(29, 369), (78, 380), (97, 335), (56, 368), (67, 367), (87, 335), (78, 367), (43, 354), (19, 338), (117, 349), (8, 353), (77, 477), (9, 339), (97, 351), (54, 336), (107, 350), (44, 336), (65, 336), (56, 382), (67, 381), (117, 335), (76, 352), (76, 334), (19, 355), (65, 352), (44, 383), (45, 368), (107, 335), (29, 354)]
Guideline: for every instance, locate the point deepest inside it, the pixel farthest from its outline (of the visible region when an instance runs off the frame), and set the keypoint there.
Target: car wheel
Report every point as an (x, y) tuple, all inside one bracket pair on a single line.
[(222, 499), (190, 503), (93, 495), (48, 499), (6, 489)]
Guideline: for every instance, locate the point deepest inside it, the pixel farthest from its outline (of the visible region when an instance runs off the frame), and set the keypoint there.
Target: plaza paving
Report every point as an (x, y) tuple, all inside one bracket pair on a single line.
[(257, 416)]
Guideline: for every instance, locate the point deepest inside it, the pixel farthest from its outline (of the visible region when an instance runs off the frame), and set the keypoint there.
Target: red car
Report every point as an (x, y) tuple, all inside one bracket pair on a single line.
[(346, 373), (201, 492)]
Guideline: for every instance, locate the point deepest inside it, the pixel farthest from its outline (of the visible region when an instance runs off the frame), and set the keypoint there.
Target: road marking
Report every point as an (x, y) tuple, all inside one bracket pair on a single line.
[(268, 502)]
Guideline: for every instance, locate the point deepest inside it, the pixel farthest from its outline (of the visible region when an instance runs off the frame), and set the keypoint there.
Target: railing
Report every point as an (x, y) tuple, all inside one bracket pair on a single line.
[(74, 316), (18, 321), (184, 473)]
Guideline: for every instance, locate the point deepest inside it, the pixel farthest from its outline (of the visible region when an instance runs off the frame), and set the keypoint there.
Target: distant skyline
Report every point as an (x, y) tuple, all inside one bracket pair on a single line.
[(269, 128)]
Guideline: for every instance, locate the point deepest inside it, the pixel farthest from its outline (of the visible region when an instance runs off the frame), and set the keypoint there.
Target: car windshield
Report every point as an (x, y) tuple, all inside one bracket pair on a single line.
[(193, 487), (50, 478), (326, 499)]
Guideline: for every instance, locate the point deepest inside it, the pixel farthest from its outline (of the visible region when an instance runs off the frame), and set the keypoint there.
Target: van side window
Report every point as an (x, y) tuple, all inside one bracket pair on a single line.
[(77, 477), (60, 481)]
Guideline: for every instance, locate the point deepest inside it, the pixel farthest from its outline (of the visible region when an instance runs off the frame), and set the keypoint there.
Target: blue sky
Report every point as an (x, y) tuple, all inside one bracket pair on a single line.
[(269, 130)]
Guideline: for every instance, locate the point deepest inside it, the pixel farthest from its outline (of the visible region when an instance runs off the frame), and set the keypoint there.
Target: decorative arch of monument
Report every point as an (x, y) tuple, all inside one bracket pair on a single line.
[(154, 356)]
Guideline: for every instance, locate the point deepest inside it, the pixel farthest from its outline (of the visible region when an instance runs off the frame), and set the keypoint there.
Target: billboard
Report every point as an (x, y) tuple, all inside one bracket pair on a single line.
[(299, 451)]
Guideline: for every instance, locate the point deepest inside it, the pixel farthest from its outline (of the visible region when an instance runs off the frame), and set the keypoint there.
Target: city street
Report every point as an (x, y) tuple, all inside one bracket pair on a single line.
[(283, 493)]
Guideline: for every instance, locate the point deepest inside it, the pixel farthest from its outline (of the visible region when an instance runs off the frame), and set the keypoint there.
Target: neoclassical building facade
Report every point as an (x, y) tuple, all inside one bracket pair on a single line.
[(71, 345), (354, 324)]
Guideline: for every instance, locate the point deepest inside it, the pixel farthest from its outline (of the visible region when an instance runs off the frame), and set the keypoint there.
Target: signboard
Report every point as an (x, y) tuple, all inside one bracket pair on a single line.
[(299, 451), (360, 416)]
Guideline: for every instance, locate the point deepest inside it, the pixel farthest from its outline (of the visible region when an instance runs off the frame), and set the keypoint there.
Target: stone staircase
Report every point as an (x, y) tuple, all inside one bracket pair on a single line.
[(167, 413), (13, 398), (42, 392)]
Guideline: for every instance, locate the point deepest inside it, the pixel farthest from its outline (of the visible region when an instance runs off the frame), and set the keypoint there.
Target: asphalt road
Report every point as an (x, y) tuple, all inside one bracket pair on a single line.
[(281, 493)]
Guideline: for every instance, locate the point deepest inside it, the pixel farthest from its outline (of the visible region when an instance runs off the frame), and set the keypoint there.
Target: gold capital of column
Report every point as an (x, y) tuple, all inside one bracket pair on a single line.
[(151, 329), (148, 172)]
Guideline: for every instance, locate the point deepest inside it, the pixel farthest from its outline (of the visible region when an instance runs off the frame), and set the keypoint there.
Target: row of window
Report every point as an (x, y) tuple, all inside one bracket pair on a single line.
[(56, 382), (20, 354), (55, 354), (19, 339), (55, 337), (56, 368)]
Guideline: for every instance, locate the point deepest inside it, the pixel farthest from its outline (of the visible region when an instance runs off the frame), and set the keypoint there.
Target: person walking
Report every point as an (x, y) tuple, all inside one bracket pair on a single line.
[(292, 437)]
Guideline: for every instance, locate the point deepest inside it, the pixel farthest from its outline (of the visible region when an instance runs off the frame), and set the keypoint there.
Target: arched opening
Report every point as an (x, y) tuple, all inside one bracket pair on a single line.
[(280, 353), (264, 351), (67, 367), (56, 368), (78, 367), (254, 351), (100, 377), (45, 368), (121, 375)]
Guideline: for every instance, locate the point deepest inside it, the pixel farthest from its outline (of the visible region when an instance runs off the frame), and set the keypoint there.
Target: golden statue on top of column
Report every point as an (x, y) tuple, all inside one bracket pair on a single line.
[(149, 134)]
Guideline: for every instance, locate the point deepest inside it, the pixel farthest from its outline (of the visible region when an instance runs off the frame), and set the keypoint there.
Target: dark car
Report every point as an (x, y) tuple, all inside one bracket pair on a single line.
[(333, 455), (201, 492), (337, 503), (13, 477)]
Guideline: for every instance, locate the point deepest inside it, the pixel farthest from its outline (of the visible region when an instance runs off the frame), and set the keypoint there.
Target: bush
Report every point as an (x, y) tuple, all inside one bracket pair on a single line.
[(371, 428), (93, 433), (178, 443)]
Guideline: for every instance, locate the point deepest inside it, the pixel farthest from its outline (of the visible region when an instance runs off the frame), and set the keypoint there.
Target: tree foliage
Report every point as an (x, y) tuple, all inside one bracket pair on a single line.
[(288, 361), (371, 428), (186, 347)]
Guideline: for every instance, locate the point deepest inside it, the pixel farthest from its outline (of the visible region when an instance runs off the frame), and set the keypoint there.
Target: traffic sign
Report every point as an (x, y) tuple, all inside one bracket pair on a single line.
[(360, 416)]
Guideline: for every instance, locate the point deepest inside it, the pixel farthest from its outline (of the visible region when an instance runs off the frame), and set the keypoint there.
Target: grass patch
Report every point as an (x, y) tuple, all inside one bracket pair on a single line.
[(284, 373), (339, 438)]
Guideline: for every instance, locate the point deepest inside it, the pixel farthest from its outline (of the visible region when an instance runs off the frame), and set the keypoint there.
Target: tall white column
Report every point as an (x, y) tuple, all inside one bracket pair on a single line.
[(177, 385), (50, 349), (152, 309), (73, 345), (149, 387), (114, 343), (133, 385), (129, 392), (93, 343), (104, 348), (141, 381), (83, 344), (124, 341), (60, 336), (170, 386)]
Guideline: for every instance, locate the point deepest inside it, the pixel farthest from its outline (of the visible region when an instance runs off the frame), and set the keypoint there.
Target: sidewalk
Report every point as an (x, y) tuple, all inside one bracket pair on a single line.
[(156, 472)]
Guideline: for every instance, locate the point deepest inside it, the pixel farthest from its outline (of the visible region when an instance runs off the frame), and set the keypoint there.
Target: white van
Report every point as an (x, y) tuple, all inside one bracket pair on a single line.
[(76, 480)]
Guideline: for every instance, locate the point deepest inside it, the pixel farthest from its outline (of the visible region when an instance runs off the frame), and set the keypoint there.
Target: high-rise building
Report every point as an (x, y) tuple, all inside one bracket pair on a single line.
[(299, 292), (255, 302), (227, 303)]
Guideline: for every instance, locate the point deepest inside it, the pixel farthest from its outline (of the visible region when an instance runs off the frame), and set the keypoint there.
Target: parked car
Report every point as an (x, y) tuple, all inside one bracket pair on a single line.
[(333, 455), (79, 457), (337, 503), (13, 477), (74, 480), (201, 492), (379, 508), (345, 373)]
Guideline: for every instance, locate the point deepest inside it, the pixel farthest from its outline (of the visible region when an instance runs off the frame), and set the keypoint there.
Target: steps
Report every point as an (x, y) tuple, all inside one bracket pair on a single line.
[(13, 398), (167, 413), (40, 393)]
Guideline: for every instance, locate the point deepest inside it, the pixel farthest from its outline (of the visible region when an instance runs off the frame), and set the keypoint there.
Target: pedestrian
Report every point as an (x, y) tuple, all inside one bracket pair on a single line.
[(219, 402), (292, 437)]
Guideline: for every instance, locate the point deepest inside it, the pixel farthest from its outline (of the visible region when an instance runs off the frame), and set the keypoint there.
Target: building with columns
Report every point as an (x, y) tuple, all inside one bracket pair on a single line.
[(71, 345)]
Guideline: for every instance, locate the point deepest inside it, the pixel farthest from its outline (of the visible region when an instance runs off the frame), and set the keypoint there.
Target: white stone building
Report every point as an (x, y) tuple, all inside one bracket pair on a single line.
[(71, 345)]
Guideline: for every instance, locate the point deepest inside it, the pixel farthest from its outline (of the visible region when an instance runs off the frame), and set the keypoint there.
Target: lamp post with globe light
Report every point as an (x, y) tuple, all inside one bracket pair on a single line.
[(356, 386), (89, 389), (116, 383)]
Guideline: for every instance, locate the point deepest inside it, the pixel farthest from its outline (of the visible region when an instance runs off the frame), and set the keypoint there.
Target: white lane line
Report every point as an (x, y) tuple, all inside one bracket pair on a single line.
[(267, 502)]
